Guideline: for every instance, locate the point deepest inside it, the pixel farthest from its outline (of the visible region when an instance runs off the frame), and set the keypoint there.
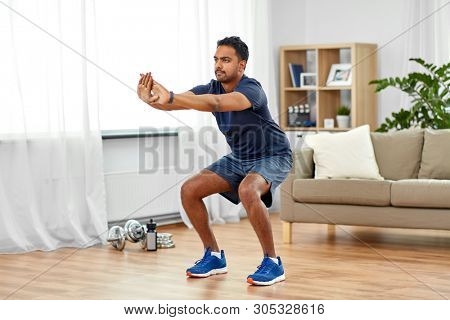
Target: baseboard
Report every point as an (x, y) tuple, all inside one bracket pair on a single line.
[(161, 220)]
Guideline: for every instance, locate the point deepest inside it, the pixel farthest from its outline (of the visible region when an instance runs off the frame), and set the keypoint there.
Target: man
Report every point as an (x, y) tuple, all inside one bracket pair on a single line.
[(260, 160)]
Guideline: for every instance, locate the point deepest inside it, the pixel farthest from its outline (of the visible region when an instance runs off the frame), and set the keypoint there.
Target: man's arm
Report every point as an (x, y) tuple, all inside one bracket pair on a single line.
[(144, 91), (234, 101), (174, 106)]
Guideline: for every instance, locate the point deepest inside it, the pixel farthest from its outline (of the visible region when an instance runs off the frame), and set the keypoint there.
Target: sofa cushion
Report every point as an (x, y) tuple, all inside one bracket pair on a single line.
[(423, 193), (398, 153), (342, 191), (344, 155), (436, 155)]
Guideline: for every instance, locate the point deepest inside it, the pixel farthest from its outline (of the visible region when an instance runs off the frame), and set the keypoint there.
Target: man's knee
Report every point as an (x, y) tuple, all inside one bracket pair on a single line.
[(189, 190), (248, 195)]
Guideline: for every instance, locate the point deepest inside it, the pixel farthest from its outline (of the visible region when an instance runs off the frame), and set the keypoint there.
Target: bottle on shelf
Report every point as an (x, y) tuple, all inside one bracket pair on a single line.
[(291, 116), (307, 109), (298, 120)]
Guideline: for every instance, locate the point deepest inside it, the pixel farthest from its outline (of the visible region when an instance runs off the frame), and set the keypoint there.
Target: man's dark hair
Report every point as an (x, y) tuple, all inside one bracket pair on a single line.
[(238, 45)]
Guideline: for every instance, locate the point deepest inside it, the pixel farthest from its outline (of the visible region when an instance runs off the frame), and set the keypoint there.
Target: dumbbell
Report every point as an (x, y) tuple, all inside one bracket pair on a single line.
[(116, 236), (133, 231), (136, 233)]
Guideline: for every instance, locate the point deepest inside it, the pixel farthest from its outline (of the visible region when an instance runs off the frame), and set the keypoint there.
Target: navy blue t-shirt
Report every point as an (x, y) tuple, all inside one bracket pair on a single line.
[(251, 133)]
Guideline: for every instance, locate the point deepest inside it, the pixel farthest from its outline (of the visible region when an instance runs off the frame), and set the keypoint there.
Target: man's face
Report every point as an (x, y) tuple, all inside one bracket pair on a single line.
[(227, 66)]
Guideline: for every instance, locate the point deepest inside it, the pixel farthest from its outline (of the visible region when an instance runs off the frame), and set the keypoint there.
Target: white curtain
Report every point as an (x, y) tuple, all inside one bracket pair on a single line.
[(52, 190), (429, 34), (201, 24)]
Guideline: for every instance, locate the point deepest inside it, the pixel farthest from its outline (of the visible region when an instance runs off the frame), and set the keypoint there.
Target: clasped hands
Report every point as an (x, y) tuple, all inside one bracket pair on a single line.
[(152, 92)]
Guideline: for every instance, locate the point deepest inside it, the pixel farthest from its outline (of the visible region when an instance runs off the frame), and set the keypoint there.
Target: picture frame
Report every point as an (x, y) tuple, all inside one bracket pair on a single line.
[(308, 80), (340, 75)]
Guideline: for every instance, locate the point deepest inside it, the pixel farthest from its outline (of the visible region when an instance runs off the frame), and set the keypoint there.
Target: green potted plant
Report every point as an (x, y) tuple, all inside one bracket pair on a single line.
[(343, 117), (430, 96)]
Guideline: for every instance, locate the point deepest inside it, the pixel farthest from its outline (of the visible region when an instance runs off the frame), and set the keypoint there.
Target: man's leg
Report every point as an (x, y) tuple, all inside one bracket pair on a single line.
[(250, 191), (193, 191)]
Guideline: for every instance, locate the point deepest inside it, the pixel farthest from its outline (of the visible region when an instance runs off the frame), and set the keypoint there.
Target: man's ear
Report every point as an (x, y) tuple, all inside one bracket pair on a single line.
[(242, 65)]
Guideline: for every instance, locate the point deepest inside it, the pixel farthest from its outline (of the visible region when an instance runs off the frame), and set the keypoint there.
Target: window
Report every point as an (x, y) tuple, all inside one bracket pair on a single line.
[(45, 84)]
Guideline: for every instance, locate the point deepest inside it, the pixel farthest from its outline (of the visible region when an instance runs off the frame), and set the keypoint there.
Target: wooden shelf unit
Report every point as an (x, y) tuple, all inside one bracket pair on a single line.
[(363, 58)]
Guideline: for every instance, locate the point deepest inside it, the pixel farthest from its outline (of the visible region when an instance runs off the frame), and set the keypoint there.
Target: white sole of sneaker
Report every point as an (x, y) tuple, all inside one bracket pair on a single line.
[(210, 273), (268, 283)]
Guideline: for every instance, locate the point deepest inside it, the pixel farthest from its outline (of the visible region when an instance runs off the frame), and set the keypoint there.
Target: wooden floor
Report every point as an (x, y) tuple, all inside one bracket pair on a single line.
[(319, 264)]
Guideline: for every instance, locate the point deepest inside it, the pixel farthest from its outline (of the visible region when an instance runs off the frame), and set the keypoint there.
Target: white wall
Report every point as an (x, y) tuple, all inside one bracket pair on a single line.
[(287, 22), (329, 21)]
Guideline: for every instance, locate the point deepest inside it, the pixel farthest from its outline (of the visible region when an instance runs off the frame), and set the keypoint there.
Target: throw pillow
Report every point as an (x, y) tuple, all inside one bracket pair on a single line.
[(344, 155), (435, 155)]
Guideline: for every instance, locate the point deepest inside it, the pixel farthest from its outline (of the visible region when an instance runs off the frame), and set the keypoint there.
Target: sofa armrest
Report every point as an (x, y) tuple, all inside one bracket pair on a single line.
[(303, 163), (303, 168)]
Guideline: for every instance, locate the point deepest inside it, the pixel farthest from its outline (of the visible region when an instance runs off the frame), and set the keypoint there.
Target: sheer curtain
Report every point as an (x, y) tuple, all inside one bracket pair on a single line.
[(52, 190), (429, 39), (201, 24)]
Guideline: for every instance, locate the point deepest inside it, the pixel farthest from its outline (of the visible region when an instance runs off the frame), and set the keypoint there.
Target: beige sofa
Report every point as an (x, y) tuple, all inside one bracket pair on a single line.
[(415, 192)]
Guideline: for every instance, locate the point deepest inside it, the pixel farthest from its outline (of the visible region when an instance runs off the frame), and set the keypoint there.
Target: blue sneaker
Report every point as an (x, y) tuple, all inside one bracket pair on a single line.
[(208, 265), (268, 273)]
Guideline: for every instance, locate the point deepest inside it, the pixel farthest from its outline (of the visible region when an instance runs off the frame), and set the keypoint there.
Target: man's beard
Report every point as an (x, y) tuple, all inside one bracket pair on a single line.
[(222, 77)]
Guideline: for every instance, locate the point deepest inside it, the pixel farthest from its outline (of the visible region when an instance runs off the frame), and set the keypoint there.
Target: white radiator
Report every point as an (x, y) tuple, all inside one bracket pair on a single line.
[(133, 195)]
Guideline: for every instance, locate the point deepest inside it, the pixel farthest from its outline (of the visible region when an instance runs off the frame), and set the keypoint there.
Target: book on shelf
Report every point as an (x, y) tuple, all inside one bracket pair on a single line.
[(295, 70)]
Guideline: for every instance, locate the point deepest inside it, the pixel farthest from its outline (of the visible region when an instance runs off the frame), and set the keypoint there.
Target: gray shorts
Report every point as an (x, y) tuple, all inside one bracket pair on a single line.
[(272, 168)]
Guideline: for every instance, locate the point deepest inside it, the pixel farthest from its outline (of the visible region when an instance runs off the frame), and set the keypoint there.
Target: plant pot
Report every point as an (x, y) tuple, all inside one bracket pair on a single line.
[(343, 121)]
